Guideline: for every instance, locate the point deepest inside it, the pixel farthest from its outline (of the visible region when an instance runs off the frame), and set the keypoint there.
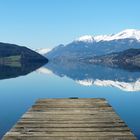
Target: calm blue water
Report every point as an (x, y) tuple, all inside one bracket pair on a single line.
[(18, 94)]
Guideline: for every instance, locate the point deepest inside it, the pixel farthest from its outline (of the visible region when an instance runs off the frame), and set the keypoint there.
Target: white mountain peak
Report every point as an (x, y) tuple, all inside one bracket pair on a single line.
[(43, 51), (128, 33), (87, 38)]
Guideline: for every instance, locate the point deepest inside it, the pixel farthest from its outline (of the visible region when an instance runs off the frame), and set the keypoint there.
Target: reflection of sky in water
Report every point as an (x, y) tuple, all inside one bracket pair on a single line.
[(17, 95)]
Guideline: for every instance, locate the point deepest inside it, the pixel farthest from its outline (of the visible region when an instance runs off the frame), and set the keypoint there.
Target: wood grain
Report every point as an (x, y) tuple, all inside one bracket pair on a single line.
[(70, 119)]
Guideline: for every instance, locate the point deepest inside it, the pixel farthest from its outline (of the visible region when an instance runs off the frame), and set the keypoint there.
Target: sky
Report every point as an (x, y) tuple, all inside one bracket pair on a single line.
[(48, 23)]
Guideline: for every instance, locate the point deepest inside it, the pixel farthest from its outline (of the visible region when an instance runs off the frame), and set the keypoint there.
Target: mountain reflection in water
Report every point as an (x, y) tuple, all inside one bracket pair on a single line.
[(127, 79), (13, 71)]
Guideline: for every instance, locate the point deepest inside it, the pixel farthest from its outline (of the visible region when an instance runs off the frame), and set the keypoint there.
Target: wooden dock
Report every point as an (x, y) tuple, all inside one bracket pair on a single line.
[(70, 119)]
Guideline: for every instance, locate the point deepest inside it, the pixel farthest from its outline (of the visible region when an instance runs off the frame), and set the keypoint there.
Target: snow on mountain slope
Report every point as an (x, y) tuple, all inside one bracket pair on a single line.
[(134, 86), (128, 33), (86, 38), (43, 51)]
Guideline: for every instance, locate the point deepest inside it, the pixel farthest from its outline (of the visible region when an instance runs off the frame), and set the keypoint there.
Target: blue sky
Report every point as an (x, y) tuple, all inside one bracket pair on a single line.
[(47, 23)]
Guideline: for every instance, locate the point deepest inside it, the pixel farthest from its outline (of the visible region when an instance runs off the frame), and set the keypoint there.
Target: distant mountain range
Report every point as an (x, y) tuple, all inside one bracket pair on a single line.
[(14, 55), (104, 60), (90, 46)]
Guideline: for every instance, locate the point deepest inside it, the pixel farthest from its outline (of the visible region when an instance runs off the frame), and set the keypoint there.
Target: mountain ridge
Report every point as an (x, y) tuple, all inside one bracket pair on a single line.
[(128, 33), (8, 53), (89, 46)]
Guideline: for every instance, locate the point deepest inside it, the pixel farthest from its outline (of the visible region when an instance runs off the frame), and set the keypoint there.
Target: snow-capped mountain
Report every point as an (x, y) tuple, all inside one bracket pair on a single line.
[(86, 38), (89, 46), (43, 51), (118, 56), (126, 34)]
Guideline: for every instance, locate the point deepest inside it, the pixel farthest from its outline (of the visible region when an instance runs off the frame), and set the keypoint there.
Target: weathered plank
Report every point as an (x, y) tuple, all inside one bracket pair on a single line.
[(70, 119), (70, 138)]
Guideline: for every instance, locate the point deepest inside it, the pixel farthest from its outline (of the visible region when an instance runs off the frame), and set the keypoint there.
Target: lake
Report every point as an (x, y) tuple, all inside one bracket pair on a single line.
[(21, 87)]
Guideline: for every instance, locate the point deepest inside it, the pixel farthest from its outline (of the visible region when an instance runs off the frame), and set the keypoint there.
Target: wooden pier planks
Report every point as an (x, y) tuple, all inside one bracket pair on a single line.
[(70, 119)]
